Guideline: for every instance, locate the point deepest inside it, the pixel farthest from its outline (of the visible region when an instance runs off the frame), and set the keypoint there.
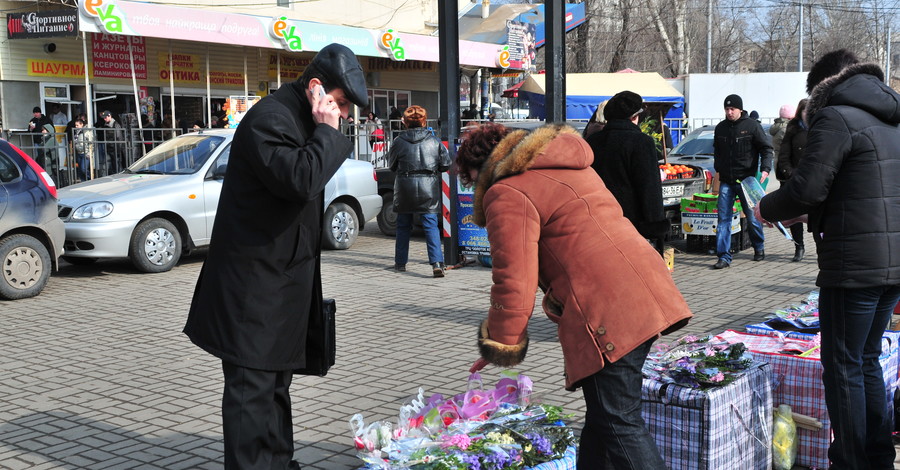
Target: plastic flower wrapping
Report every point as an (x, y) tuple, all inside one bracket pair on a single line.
[(698, 362), (480, 429), (803, 317)]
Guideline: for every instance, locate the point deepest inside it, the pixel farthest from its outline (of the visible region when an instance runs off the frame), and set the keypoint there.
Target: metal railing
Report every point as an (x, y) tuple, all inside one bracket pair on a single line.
[(106, 150)]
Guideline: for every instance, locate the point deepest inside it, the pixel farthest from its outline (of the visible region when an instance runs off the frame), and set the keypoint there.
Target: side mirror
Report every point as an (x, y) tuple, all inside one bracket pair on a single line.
[(219, 172)]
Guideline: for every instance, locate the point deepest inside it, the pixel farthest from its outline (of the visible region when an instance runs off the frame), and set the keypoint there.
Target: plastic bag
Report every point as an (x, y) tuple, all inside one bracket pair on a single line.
[(785, 441)]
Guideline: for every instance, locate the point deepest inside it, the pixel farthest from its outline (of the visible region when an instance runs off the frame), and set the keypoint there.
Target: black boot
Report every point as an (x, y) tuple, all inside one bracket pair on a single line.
[(798, 253)]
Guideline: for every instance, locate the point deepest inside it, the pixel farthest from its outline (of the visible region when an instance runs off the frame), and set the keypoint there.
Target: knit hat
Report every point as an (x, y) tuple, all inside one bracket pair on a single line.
[(36, 109), (415, 116), (734, 101), (787, 112), (753, 115), (623, 105)]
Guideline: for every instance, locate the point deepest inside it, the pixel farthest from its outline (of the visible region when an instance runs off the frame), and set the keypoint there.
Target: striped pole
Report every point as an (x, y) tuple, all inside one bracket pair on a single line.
[(445, 209)]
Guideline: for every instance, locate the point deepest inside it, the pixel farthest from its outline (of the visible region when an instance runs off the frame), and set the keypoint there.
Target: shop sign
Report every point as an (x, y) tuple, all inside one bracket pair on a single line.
[(106, 14), (286, 34), (42, 24), (185, 68), (291, 66), (112, 60), (392, 45), (228, 79), (503, 58), (520, 37), (379, 64), (55, 68)]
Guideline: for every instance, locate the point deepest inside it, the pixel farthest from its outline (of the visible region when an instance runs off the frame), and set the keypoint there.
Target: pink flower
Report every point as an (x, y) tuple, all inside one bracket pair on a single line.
[(718, 377), (690, 339), (462, 441)]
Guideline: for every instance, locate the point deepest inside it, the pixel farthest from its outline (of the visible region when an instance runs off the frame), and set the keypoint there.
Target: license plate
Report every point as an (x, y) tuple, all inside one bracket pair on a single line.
[(675, 190)]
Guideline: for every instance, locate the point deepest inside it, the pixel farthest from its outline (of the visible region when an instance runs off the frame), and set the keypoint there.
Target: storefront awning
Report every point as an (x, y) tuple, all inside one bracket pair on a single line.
[(513, 91), (130, 18)]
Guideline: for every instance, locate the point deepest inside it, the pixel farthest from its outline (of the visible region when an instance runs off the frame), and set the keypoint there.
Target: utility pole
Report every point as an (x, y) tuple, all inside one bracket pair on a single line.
[(555, 53), (709, 37), (448, 69), (800, 54)]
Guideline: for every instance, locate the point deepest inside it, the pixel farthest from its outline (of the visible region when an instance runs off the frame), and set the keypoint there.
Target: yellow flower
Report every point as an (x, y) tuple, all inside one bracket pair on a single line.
[(499, 438), (527, 448)]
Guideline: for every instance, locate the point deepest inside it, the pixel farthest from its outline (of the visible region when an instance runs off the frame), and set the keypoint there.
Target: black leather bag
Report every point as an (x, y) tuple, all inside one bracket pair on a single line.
[(320, 341)]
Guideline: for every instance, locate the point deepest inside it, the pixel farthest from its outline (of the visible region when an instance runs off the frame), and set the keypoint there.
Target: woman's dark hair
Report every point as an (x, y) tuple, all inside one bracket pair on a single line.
[(801, 107), (476, 147)]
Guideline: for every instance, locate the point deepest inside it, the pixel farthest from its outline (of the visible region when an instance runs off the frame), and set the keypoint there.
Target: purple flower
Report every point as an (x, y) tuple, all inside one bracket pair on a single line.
[(541, 444), (499, 459), (471, 461)]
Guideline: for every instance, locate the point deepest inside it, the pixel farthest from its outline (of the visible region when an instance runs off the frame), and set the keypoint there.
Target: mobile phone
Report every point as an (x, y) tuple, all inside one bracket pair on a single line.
[(321, 92)]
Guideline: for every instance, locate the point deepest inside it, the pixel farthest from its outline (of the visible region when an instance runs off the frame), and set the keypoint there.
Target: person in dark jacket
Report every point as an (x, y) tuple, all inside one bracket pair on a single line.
[(418, 158), (36, 127), (625, 159), (792, 146), (741, 148), (847, 183), (261, 281)]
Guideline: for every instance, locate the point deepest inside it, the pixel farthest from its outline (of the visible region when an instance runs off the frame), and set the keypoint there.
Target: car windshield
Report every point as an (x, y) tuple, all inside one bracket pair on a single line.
[(701, 144), (181, 155)]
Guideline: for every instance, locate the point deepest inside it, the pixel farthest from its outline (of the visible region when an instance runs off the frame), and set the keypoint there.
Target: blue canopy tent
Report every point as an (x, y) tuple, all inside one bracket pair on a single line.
[(584, 91)]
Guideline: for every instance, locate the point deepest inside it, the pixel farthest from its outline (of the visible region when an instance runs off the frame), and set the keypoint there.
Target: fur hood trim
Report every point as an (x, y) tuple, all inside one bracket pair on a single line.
[(821, 94), (514, 154)]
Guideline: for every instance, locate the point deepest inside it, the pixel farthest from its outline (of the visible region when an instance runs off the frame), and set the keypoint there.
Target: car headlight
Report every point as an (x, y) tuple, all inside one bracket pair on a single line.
[(94, 210)]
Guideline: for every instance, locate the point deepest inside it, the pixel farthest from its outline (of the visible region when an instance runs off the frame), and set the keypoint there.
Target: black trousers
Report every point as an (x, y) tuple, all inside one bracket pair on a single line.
[(256, 419)]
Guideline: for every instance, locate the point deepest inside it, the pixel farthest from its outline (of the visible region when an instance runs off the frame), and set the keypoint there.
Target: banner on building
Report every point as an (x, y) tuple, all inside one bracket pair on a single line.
[(55, 68), (42, 24), (111, 58), (291, 66), (522, 50)]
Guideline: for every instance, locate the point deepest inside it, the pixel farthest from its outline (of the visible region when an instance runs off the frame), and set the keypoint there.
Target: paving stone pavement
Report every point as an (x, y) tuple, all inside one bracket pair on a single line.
[(95, 372)]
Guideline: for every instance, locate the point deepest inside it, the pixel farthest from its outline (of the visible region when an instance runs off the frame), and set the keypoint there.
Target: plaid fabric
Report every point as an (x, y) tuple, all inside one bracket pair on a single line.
[(797, 381), (567, 462), (718, 428)]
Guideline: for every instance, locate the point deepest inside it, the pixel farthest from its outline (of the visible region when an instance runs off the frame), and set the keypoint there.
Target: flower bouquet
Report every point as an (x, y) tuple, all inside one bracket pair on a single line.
[(480, 429), (698, 362)]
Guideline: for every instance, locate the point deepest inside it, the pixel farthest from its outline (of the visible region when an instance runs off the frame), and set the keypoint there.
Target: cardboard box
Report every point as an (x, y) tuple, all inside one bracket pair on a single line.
[(693, 223), (714, 429)]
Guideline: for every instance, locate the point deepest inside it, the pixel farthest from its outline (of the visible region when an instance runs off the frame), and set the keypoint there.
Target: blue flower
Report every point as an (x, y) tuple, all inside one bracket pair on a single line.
[(541, 444)]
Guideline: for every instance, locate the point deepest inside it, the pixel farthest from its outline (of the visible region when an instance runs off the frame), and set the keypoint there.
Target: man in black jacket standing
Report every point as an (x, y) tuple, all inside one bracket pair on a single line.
[(261, 282), (625, 159), (847, 183), (741, 149)]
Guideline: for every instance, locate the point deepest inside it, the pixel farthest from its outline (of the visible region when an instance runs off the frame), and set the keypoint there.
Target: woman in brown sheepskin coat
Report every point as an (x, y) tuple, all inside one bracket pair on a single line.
[(552, 223)]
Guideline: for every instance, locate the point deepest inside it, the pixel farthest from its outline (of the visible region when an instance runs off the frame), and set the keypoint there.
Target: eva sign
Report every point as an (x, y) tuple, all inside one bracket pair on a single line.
[(286, 33), (106, 14), (503, 58), (392, 45)]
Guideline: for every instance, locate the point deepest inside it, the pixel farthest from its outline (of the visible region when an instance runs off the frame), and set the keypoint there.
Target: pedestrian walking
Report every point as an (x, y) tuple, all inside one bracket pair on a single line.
[(83, 143), (418, 158), (847, 184), (741, 148), (552, 224), (261, 282)]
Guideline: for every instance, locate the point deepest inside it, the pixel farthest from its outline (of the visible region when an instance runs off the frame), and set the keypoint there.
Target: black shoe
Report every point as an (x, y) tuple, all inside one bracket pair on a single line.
[(721, 264), (400, 268), (438, 269), (798, 253), (759, 255)]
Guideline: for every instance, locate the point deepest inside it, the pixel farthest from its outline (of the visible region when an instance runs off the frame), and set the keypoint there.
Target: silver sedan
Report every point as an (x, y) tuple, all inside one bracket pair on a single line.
[(164, 204)]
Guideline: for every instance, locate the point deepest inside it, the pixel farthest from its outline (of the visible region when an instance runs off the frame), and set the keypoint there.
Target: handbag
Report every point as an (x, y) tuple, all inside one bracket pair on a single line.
[(320, 341)]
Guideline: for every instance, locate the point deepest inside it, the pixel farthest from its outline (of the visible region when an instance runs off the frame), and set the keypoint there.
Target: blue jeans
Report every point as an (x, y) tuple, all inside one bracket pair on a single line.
[(614, 436), (853, 322), (725, 207), (83, 166), (432, 238)]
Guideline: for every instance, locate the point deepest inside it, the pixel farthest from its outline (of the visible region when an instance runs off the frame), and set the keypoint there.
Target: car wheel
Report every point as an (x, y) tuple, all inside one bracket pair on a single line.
[(387, 218), (26, 266), (77, 261), (155, 246), (341, 227)]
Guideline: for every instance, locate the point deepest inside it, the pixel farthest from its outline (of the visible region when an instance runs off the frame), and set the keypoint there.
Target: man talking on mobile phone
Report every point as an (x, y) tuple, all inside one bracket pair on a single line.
[(261, 281)]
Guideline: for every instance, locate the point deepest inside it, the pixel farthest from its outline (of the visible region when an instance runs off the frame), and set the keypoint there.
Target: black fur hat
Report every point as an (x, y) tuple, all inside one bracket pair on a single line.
[(828, 65), (623, 105)]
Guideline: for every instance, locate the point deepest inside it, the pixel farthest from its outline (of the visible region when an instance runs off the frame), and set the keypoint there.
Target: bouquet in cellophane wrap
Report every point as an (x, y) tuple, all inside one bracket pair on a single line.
[(487, 429)]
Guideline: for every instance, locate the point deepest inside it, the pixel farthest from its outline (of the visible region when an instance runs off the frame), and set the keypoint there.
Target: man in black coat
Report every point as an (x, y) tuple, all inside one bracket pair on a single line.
[(261, 281), (625, 159), (741, 148), (847, 182)]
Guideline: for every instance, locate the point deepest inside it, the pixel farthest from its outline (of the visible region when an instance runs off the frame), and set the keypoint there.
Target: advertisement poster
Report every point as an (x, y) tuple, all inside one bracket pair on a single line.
[(473, 240), (522, 49), (111, 58), (42, 24)]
